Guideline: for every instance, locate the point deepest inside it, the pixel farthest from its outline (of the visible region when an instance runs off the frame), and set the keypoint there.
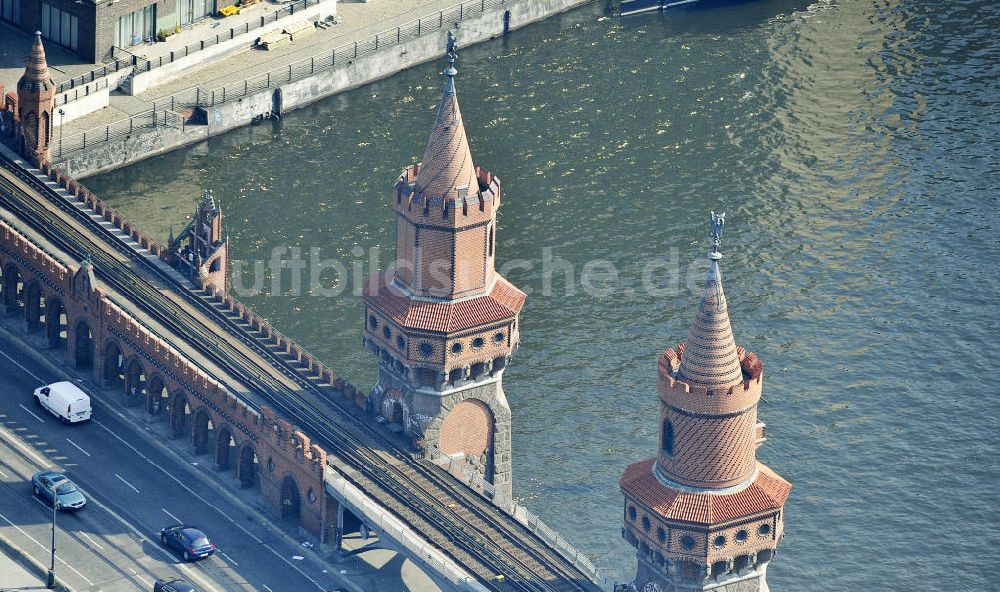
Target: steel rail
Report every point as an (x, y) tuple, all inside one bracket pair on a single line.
[(540, 553)]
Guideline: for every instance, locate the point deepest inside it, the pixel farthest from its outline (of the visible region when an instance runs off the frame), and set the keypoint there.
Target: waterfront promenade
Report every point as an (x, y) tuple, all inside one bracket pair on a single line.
[(357, 21)]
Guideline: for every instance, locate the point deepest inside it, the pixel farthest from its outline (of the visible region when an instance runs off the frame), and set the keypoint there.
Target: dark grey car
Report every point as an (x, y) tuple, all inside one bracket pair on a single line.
[(50, 484)]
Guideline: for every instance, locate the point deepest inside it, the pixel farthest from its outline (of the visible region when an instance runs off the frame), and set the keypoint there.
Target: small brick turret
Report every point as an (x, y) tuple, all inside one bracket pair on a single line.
[(35, 104), (443, 323), (705, 514), (201, 250)]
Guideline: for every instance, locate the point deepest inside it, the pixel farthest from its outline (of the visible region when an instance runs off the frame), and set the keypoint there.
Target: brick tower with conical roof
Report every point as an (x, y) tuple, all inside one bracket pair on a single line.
[(442, 322), (35, 103), (705, 514)]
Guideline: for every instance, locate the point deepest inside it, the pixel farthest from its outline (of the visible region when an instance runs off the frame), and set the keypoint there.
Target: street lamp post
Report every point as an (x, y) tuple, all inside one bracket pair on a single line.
[(61, 115), (51, 582)]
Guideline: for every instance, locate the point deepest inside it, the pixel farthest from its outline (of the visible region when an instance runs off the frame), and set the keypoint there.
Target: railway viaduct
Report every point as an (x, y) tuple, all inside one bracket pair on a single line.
[(153, 323)]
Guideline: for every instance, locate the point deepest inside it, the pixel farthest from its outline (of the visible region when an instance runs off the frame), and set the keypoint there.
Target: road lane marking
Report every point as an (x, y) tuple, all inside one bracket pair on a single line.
[(231, 560), (13, 439), (204, 501), (179, 482), (144, 580), (46, 549), (77, 446), (92, 541), (29, 372), (31, 413), (126, 483), (179, 521), (48, 507)]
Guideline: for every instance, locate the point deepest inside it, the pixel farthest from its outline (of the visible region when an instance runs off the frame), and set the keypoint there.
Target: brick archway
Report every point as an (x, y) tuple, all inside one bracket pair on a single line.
[(467, 432), (83, 345), (55, 325), (157, 396), (225, 448), (291, 499), (114, 365), (135, 382), (12, 295), (179, 412), (247, 466), (33, 302), (202, 430)]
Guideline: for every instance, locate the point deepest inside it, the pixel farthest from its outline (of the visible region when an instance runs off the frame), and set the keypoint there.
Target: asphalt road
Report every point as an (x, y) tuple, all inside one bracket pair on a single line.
[(133, 490)]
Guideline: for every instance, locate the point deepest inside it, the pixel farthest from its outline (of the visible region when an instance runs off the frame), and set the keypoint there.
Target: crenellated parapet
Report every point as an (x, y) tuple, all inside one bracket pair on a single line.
[(443, 324), (125, 352), (705, 514)]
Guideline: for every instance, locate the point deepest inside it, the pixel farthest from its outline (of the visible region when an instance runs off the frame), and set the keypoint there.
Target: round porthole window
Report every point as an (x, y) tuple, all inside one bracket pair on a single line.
[(400, 342), (631, 513), (720, 541), (661, 535), (741, 535), (764, 529), (478, 342), (456, 348), (426, 349), (270, 463), (687, 541), (498, 337), (311, 495), (645, 523), (372, 322), (386, 332)]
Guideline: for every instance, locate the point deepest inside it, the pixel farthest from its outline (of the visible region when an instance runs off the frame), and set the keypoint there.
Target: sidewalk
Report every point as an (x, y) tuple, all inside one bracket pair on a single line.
[(13, 576), (357, 21)]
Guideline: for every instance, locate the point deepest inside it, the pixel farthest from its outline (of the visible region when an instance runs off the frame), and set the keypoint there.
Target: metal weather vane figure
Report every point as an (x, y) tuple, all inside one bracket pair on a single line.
[(718, 222), (452, 47)]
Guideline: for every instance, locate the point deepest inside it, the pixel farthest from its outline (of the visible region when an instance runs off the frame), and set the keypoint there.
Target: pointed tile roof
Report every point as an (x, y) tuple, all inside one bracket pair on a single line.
[(710, 359), (447, 165), (36, 74)]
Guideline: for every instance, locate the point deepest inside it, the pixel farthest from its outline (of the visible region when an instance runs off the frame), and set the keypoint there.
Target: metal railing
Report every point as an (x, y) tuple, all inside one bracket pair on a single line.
[(95, 74), (530, 520), (83, 90), (159, 118), (338, 57), (143, 64)]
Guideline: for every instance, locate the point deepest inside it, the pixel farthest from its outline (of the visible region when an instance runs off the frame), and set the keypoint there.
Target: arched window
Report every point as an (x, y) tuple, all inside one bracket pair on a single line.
[(667, 438)]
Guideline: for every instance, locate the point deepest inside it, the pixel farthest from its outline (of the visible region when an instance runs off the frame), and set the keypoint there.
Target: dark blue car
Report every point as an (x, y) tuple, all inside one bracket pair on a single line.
[(188, 540)]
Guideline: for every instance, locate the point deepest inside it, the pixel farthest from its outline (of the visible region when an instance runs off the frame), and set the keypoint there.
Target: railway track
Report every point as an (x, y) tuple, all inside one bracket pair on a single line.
[(499, 550)]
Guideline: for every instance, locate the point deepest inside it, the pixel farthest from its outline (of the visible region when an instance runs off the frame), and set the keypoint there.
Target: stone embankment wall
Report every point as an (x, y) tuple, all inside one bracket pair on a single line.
[(235, 113)]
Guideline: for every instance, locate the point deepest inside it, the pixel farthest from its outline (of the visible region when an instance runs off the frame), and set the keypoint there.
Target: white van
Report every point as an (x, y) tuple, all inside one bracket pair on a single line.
[(64, 400)]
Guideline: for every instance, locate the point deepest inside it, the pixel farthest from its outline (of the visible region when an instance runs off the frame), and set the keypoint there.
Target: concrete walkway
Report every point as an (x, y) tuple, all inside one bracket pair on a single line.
[(13, 575), (358, 21)]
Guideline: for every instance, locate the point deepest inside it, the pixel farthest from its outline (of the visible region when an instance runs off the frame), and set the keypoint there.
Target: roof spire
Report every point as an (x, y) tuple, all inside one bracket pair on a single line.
[(447, 171), (36, 73), (710, 359)]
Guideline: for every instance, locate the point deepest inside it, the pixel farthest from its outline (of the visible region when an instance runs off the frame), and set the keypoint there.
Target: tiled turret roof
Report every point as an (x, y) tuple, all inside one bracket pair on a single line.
[(447, 165), (710, 359), (36, 74), (767, 492)]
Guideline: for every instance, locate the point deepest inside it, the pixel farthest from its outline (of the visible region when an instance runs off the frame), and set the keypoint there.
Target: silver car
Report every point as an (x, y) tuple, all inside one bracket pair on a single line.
[(50, 485)]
